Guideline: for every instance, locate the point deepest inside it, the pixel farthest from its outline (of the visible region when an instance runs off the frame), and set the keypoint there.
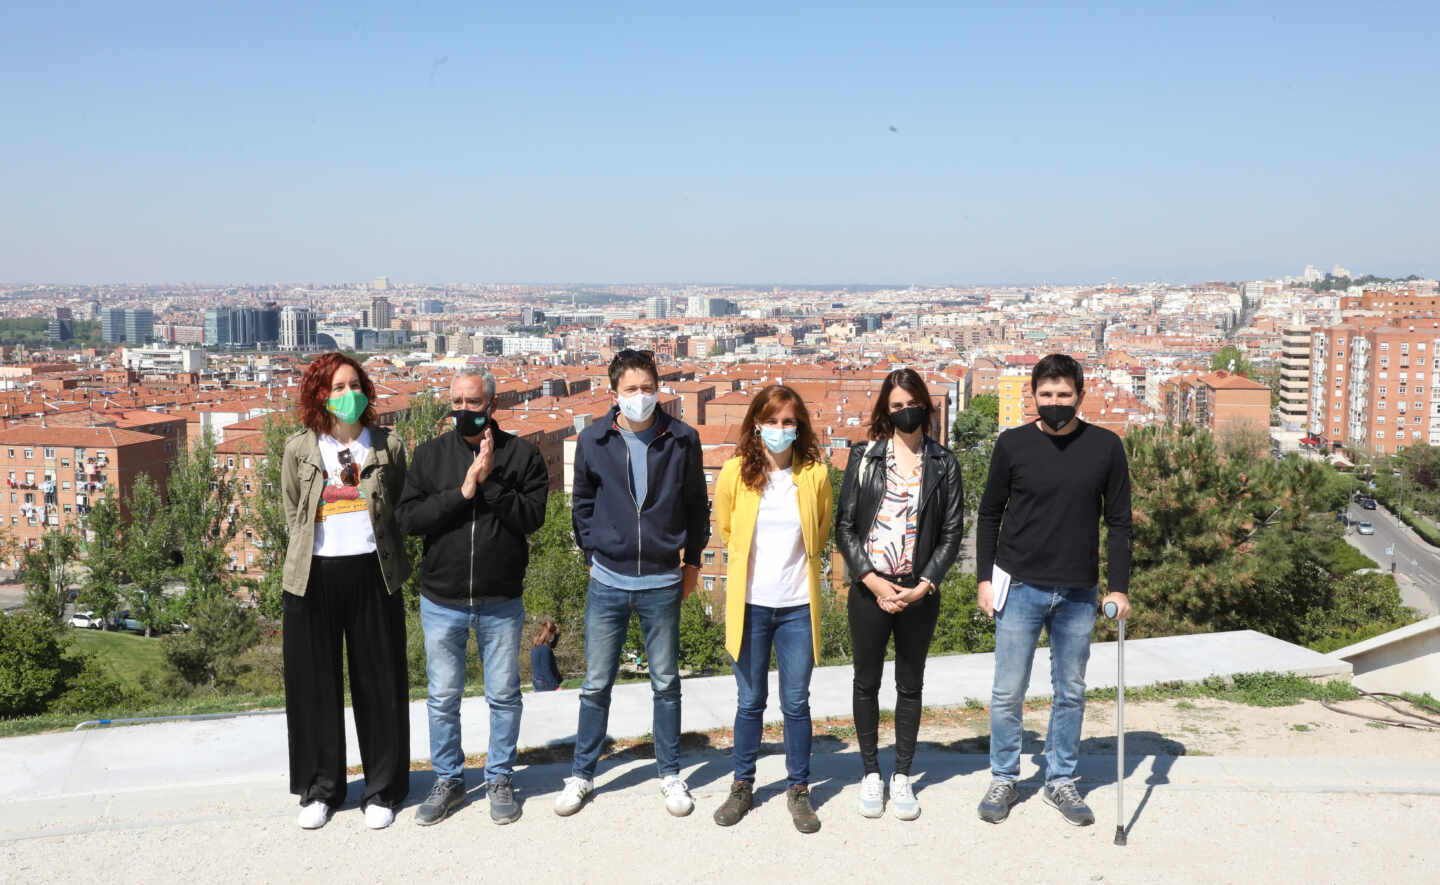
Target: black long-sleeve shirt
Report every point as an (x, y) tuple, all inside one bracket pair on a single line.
[(1040, 514)]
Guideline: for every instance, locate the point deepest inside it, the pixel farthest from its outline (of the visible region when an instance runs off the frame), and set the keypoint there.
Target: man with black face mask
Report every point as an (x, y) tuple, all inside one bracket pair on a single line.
[(1037, 558), (473, 494)]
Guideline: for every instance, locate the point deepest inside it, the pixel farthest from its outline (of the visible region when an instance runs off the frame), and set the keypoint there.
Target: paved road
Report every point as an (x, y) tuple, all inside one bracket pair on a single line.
[(1414, 559)]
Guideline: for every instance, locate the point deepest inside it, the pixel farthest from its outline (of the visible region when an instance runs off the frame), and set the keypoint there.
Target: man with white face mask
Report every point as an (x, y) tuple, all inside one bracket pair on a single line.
[(642, 518)]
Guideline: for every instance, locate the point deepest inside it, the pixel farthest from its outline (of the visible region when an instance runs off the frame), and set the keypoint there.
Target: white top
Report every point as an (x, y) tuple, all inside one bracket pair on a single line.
[(342, 521), (779, 571)]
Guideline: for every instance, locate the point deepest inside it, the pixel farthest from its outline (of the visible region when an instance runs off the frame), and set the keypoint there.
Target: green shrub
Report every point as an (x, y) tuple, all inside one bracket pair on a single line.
[(92, 690), (33, 666), (220, 632), (702, 638)]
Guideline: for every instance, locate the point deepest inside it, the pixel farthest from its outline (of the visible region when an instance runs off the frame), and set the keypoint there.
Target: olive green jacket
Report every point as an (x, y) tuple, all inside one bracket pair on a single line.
[(302, 478)]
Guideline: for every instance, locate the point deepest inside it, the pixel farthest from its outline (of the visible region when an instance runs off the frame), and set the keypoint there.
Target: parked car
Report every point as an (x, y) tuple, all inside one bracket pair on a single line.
[(1365, 528), (1368, 503), (87, 621)]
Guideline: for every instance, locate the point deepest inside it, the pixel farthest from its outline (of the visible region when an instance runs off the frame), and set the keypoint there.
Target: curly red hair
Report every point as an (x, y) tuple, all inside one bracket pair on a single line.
[(315, 390), (753, 465)]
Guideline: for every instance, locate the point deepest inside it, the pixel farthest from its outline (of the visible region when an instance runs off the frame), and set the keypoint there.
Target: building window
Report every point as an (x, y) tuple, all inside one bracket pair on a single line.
[(1379, 434), (709, 582), (29, 453), (709, 557), (79, 454), (1383, 391), (1384, 347), (709, 478), (30, 477), (246, 462), (230, 462), (49, 452), (725, 555), (247, 489), (65, 485)]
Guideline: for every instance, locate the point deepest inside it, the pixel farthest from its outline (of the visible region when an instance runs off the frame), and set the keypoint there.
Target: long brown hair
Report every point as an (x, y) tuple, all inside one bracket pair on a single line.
[(548, 633), (767, 402), (910, 381)]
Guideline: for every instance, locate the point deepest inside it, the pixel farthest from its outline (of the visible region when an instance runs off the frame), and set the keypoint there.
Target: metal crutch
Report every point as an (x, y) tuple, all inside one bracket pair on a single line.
[(1111, 610)]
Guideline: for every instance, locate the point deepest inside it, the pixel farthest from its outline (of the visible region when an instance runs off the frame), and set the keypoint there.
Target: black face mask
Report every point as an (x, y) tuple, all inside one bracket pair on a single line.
[(909, 419), (469, 422), (1056, 417)]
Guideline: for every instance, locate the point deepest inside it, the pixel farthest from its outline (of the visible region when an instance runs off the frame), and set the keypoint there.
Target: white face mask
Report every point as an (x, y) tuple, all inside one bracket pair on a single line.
[(638, 407)]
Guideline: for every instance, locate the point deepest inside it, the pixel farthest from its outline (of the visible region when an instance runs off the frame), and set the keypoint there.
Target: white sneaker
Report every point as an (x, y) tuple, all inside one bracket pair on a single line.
[(902, 798), (378, 817), (573, 796), (872, 796), (677, 795), (314, 815)]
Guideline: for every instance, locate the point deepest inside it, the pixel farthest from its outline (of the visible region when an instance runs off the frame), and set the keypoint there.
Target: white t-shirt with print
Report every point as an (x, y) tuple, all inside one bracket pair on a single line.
[(342, 526)]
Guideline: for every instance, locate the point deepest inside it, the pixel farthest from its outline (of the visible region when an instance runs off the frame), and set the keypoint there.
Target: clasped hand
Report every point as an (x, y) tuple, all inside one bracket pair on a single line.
[(891, 597)]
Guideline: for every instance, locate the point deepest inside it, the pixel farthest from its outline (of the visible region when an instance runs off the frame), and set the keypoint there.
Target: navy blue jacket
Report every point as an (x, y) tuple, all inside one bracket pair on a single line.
[(640, 537)]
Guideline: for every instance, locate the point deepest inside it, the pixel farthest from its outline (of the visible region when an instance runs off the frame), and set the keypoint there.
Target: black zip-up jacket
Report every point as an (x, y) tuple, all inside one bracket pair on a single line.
[(645, 537), (939, 530), (473, 549)]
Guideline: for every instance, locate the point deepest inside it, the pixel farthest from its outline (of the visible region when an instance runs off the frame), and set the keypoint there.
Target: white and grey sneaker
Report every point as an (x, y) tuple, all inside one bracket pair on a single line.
[(1065, 798), (903, 803), (872, 796), (995, 806), (314, 815), (677, 795), (577, 790)]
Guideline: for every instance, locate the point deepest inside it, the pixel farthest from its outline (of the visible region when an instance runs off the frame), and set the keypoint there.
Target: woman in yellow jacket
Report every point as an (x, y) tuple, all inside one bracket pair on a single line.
[(772, 506)]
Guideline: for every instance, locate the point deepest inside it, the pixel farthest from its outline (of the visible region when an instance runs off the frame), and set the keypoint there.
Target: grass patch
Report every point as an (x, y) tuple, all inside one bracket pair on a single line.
[(1185, 705), (1299, 726), (126, 655), (1250, 689)]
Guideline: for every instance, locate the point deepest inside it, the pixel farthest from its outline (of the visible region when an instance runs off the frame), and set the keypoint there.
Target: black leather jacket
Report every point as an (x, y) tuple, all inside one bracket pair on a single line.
[(941, 526)]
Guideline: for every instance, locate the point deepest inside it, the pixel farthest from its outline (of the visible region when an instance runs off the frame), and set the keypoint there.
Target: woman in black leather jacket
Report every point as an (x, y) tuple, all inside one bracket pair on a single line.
[(899, 528)]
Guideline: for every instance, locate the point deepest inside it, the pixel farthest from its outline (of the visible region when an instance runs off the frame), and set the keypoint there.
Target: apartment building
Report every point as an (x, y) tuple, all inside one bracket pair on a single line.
[(1225, 404), (1295, 378), (54, 475), (1373, 385)]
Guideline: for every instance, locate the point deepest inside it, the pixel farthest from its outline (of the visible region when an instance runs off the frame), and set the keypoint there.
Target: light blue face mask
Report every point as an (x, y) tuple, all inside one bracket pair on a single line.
[(777, 439)]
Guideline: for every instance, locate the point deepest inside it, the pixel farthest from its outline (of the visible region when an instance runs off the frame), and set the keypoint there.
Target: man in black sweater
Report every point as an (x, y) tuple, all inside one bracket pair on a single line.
[(1037, 552), (473, 494)]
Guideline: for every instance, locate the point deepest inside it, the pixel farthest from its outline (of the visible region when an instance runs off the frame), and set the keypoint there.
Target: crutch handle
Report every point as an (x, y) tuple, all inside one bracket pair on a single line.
[(1111, 610)]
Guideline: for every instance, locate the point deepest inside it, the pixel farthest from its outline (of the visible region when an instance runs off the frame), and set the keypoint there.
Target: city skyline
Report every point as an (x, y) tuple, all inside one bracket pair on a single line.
[(572, 144)]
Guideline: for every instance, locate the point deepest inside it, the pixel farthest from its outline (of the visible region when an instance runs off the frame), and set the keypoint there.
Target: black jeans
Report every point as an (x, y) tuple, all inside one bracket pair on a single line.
[(870, 632), (345, 603)]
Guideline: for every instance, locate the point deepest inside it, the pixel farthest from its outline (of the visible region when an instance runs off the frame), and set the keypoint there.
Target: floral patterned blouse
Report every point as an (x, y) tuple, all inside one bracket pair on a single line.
[(892, 539)]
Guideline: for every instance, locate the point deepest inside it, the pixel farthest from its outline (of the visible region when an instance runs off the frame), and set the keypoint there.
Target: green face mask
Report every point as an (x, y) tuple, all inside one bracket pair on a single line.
[(348, 406)]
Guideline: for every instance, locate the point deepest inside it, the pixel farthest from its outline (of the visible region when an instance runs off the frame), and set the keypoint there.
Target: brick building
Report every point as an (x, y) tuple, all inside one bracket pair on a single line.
[(54, 475)]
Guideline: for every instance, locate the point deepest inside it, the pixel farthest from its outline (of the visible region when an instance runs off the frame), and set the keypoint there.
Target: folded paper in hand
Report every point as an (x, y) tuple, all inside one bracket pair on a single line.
[(999, 586)]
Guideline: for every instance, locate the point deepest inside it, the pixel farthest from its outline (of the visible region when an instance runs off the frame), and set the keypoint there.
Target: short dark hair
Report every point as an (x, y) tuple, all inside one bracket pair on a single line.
[(1057, 365), (628, 359), (910, 381)]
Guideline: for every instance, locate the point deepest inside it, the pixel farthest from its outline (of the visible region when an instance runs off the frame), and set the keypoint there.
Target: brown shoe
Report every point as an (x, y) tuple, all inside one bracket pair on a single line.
[(798, 799), (742, 798)]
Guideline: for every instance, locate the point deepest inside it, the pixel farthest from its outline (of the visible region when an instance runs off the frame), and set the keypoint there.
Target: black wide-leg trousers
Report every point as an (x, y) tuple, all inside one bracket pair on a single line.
[(346, 605)]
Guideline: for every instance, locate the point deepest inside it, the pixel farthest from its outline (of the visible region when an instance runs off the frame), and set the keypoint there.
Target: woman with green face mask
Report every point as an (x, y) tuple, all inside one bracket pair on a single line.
[(343, 570)]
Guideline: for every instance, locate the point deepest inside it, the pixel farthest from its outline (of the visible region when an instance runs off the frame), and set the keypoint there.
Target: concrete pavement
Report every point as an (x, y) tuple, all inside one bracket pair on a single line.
[(228, 751), (1190, 819)]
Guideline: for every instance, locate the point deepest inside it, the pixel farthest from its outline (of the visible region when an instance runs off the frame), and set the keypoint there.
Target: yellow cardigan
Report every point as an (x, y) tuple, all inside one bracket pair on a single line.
[(736, 507)]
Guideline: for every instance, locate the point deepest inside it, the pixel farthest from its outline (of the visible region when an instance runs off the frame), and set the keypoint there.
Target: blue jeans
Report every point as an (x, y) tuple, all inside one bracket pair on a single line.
[(1068, 614), (607, 618), (497, 631), (787, 630)]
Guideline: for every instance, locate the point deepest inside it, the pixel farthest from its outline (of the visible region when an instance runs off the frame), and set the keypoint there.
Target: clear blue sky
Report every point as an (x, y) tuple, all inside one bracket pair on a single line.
[(639, 142)]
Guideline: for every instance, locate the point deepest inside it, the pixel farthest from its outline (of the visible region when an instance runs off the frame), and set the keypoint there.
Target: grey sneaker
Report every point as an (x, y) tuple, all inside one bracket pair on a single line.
[(742, 797), (1064, 798), (445, 797), (503, 807), (995, 807)]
